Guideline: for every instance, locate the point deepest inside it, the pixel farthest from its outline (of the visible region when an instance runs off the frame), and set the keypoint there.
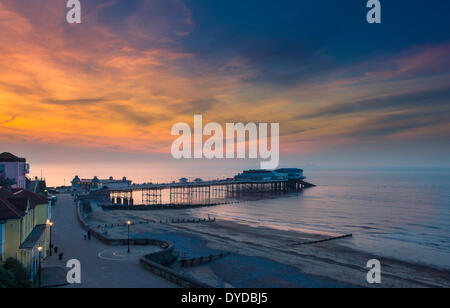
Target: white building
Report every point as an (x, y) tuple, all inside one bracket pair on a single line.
[(96, 183), (291, 173), (260, 175), (14, 169)]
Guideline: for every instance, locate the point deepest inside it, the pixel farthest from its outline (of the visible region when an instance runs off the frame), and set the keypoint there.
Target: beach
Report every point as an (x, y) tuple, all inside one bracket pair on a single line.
[(262, 256)]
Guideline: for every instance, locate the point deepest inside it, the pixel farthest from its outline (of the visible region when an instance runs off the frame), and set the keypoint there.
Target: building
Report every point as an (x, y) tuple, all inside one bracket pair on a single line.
[(24, 227), (13, 170), (112, 183), (260, 175), (292, 173), (38, 186), (96, 183), (76, 183)]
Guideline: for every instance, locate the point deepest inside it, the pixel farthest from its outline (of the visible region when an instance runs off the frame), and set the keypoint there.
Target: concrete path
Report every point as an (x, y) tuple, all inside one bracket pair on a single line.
[(102, 266)]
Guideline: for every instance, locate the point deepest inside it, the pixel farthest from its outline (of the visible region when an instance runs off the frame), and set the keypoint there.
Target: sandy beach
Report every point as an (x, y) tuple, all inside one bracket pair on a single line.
[(264, 257)]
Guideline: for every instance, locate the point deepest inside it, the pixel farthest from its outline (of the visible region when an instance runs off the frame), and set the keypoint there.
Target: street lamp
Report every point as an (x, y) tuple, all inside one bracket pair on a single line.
[(128, 225), (50, 225), (40, 266)]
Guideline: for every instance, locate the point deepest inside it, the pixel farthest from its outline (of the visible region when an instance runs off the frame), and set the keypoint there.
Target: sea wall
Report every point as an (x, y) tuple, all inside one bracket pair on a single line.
[(171, 275)]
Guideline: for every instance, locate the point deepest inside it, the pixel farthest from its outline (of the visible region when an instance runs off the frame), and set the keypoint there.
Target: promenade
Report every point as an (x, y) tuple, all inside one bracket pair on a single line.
[(102, 266)]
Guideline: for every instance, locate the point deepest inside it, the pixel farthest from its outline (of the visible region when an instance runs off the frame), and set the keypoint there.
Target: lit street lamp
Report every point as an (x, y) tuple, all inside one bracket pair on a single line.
[(40, 265), (50, 225), (128, 225)]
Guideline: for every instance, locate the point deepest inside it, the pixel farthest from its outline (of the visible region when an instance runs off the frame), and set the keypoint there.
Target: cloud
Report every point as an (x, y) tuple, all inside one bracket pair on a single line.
[(394, 124), (133, 68), (134, 116), (427, 99), (418, 61), (73, 102), (12, 118), (198, 106)]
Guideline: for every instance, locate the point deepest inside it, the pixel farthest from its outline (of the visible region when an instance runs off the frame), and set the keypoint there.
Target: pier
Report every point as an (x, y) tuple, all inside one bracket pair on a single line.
[(200, 193)]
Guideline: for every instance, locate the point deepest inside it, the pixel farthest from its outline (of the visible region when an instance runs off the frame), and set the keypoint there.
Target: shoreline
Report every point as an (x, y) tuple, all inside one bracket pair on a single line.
[(251, 224), (332, 263)]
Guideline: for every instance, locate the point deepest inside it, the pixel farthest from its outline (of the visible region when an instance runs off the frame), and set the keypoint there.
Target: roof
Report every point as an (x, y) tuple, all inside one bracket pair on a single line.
[(283, 170), (6, 157), (33, 239), (5, 193), (9, 211), (115, 181), (257, 171), (103, 181), (35, 199), (20, 203), (14, 203)]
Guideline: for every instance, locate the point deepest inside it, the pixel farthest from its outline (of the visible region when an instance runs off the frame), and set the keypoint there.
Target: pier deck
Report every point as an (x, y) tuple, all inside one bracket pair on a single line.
[(205, 192)]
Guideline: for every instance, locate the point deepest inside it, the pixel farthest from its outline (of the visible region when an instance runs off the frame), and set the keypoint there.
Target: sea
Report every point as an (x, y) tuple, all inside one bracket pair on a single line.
[(401, 213)]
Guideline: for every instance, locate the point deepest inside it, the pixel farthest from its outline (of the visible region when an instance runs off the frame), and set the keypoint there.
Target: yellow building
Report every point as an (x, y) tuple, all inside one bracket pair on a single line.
[(24, 227)]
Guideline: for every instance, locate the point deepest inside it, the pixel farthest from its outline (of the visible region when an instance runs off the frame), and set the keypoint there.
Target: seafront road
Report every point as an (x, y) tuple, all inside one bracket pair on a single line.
[(102, 266)]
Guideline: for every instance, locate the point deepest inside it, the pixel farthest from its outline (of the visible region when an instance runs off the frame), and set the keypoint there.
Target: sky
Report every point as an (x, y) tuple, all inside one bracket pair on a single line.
[(107, 91)]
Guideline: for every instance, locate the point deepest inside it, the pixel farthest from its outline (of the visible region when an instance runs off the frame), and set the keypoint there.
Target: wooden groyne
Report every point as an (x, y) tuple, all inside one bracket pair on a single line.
[(161, 221), (323, 240), (113, 207)]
